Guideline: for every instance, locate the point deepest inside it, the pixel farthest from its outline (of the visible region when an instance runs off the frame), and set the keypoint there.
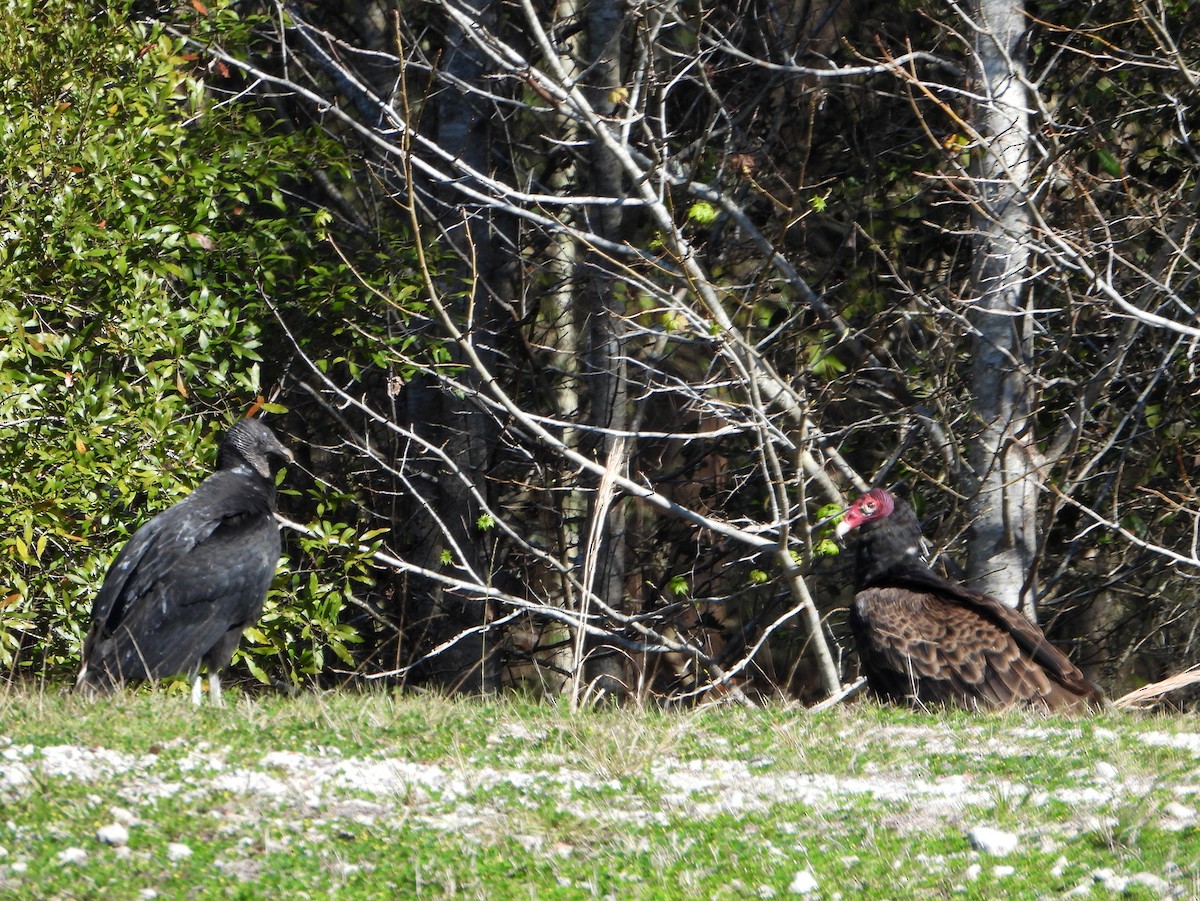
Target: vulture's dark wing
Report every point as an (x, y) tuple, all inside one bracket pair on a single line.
[(193, 573), (935, 641), (1028, 637)]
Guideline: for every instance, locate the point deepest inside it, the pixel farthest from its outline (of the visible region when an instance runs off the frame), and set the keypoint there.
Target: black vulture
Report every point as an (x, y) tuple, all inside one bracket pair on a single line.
[(194, 577), (923, 639)]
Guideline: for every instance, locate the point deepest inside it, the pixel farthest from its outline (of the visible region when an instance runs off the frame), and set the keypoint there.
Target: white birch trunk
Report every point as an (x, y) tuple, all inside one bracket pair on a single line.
[(1002, 540)]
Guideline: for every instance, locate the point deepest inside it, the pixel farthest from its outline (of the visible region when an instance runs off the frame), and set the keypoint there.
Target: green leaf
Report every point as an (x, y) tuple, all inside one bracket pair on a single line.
[(828, 510), (826, 547), (702, 213), (1108, 162)]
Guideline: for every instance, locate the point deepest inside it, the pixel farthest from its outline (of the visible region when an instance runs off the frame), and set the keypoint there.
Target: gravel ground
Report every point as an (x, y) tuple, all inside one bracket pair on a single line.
[(461, 796), (698, 788)]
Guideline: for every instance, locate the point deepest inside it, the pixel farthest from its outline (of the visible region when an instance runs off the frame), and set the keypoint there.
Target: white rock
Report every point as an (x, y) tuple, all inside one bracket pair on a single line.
[(973, 871), (123, 815), (803, 883), (1001, 871), (996, 842), (1110, 879), (113, 834), (148, 894), (1105, 771), (72, 855), (15, 775), (1179, 811), (178, 851), (1156, 884), (19, 867), (1048, 844)]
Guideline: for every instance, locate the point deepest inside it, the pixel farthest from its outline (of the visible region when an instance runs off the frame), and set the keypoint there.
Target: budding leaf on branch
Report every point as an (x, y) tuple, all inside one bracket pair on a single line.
[(826, 547), (702, 213)]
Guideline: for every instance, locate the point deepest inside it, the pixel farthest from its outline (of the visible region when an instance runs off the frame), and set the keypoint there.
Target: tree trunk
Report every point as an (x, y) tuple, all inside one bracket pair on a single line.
[(467, 432), (605, 669), (1002, 539), (560, 307)]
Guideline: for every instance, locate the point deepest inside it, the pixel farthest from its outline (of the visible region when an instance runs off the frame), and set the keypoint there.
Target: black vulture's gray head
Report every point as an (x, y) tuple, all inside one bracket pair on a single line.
[(250, 443)]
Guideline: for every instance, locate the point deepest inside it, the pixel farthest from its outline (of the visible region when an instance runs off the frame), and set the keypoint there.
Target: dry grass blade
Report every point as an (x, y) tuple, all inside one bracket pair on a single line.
[(1150, 694)]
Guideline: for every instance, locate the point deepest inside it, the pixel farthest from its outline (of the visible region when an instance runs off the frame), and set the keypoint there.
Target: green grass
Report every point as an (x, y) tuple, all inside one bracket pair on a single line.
[(413, 796)]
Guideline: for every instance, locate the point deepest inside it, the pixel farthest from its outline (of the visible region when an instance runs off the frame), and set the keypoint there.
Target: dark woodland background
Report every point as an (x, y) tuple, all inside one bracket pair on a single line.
[(583, 319)]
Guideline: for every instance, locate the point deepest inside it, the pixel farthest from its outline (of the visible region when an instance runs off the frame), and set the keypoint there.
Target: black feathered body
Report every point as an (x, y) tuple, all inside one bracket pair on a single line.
[(188, 582), (924, 639)]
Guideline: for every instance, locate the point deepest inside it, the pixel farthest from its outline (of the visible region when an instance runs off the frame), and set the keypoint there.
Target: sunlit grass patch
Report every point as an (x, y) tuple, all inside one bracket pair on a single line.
[(384, 794)]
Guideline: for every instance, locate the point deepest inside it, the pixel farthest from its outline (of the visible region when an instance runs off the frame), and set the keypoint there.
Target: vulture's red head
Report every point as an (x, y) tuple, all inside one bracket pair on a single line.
[(876, 504)]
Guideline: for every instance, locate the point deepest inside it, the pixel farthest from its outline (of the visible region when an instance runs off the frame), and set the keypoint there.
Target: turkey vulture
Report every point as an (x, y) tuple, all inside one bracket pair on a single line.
[(194, 577), (923, 639)]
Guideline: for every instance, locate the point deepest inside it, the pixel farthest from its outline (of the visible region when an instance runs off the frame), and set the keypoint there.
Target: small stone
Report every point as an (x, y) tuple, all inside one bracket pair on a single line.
[(803, 883), (996, 842), (15, 776), (1110, 880), (765, 891), (19, 867), (72, 856), (178, 851), (1105, 771), (113, 834), (1179, 811), (1048, 844), (122, 815), (148, 894), (973, 871), (1001, 871), (1156, 884)]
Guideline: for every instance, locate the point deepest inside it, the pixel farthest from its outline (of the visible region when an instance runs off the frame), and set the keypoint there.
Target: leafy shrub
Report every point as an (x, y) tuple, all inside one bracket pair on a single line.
[(142, 224)]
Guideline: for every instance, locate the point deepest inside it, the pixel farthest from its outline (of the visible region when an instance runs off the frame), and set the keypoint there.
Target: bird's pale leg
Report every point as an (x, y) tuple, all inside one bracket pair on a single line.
[(197, 697), (214, 689)]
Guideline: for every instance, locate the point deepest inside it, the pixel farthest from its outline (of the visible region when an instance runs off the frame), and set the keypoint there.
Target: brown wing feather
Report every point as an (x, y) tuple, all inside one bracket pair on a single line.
[(1031, 641), (935, 647)]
